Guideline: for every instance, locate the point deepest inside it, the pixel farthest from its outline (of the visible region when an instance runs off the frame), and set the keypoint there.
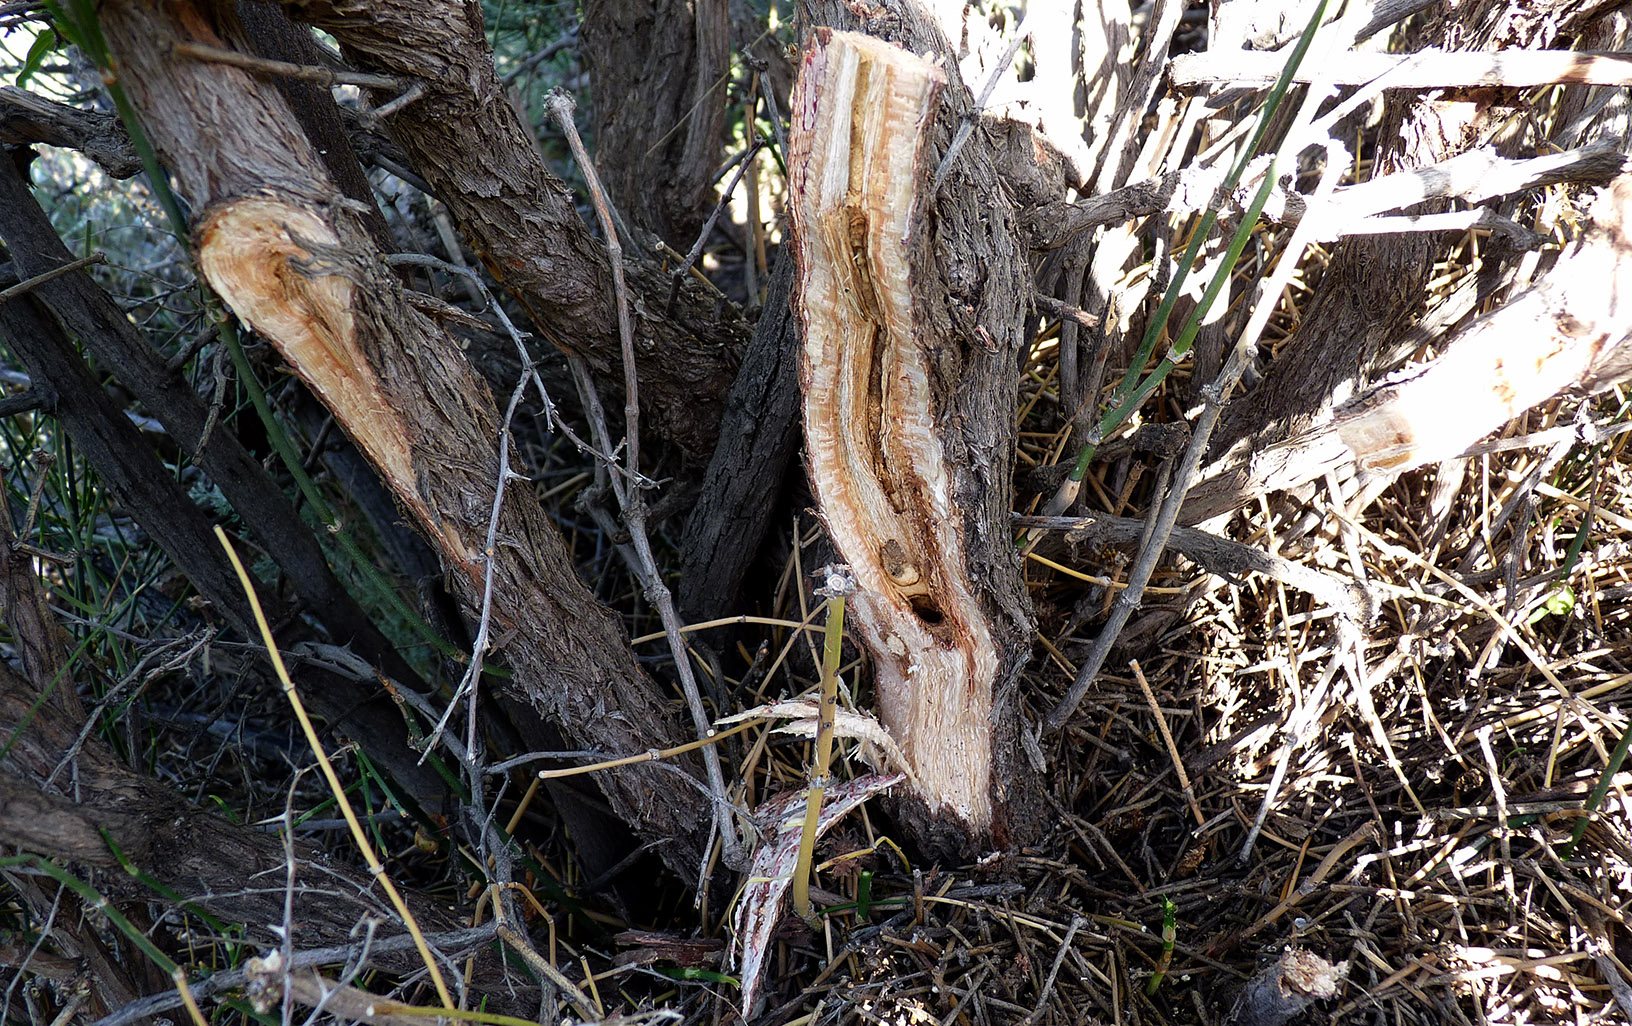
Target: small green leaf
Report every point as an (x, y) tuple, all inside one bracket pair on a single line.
[(1561, 601), (693, 974), (44, 43)]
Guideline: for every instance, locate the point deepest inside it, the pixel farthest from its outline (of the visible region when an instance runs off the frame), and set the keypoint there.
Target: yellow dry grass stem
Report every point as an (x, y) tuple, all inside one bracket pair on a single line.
[(178, 975), (651, 756), (726, 621), (374, 865)]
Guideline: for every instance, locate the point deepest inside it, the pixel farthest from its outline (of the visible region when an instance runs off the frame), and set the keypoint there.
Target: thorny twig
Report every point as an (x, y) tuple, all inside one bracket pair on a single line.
[(741, 163), (560, 106), (472, 757)]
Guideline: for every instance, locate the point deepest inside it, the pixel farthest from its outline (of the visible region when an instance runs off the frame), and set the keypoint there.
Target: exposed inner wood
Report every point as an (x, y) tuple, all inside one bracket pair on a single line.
[(861, 111), (1565, 333), (264, 258)]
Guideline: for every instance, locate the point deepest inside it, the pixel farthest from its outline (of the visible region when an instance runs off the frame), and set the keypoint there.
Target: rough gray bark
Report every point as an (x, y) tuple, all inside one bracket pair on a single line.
[(463, 136), (659, 75)]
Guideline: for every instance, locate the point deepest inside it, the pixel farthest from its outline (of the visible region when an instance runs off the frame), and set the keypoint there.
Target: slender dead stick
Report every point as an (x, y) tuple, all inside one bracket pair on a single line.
[(1428, 69), (560, 106)]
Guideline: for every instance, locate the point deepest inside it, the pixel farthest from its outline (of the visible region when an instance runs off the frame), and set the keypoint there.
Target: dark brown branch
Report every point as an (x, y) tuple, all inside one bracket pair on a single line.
[(205, 858), (106, 332), (1228, 559), (129, 468), (295, 265), (151, 494), (758, 439), (659, 123), (38, 641), (26, 119)]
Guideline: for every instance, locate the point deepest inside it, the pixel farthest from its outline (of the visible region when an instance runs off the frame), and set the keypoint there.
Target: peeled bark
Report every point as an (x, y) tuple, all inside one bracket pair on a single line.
[(1567, 333), (1373, 289), (910, 328), (277, 241)]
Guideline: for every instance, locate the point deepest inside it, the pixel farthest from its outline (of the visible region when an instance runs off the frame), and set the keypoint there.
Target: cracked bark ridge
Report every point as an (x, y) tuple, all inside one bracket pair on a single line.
[(284, 249), (911, 323)]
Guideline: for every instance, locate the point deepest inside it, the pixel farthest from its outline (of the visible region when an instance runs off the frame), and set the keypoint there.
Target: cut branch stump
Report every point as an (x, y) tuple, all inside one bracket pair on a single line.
[(909, 382)]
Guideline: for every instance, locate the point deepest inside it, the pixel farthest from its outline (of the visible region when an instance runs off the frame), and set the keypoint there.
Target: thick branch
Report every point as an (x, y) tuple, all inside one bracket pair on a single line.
[(658, 75), (466, 139), (26, 118), (759, 438), (278, 244), (1566, 333)]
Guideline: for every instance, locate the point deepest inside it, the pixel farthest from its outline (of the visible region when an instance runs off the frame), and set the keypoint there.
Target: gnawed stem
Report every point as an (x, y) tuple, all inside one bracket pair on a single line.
[(839, 584), (1170, 932)]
